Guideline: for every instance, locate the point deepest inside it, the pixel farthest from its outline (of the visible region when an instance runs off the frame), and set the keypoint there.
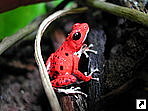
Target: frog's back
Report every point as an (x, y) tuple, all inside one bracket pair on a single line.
[(62, 62)]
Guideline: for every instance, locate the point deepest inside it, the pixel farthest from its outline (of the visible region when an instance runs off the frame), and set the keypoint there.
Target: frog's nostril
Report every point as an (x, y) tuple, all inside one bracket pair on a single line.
[(85, 27)]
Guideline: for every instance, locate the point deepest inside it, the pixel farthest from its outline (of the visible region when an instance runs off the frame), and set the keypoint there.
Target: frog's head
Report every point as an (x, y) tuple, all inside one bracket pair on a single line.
[(78, 35)]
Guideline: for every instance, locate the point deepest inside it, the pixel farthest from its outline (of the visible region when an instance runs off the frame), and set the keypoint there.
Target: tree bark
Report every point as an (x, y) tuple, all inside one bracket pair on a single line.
[(98, 39)]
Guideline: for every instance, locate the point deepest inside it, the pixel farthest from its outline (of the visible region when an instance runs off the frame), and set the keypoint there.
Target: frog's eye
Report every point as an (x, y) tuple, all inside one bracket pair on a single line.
[(76, 36)]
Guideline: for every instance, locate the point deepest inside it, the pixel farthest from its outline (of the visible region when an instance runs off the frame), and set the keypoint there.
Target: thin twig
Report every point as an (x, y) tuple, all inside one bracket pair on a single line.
[(9, 41), (43, 72), (131, 14)]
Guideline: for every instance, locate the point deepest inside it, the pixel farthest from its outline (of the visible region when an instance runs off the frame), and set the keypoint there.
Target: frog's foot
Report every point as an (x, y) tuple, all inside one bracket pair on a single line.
[(71, 90), (97, 79), (92, 71), (86, 49)]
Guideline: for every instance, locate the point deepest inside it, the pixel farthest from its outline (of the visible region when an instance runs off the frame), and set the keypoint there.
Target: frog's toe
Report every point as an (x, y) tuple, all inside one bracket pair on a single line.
[(97, 79), (94, 70)]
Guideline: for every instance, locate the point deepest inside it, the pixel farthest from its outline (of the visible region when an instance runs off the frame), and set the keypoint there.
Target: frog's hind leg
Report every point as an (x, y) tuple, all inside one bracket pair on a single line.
[(63, 80), (71, 90)]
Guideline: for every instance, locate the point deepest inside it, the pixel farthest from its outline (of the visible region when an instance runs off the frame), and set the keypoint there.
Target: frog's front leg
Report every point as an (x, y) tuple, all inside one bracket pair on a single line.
[(87, 49), (84, 49)]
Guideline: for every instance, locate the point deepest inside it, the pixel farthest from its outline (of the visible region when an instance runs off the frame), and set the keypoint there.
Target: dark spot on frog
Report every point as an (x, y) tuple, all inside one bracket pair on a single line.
[(62, 48), (56, 72), (66, 80), (57, 84), (61, 67), (66, 54)]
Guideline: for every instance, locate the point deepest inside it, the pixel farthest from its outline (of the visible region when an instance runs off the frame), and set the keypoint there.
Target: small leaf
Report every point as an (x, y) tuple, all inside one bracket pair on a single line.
[(12, 21)]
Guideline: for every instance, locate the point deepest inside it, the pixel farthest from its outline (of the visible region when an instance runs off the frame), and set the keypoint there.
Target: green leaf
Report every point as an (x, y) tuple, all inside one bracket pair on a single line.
[(12, 21)]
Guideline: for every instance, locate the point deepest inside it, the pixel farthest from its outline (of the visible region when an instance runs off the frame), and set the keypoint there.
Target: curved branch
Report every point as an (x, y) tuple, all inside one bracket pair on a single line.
[(43, 72), (9, 41), (131, 14)]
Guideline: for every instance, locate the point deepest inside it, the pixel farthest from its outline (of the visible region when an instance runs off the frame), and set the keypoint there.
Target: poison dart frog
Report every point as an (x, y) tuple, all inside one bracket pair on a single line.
[(62, 65)]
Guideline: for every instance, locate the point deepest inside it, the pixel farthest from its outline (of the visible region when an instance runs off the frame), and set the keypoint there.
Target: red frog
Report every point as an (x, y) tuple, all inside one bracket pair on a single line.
[(62, 65)]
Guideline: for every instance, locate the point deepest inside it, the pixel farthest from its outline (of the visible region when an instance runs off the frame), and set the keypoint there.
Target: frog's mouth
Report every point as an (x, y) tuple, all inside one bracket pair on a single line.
[(85, 36)]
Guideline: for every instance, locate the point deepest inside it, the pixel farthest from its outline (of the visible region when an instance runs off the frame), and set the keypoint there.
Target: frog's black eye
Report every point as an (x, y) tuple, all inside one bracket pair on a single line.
[(76, 36)]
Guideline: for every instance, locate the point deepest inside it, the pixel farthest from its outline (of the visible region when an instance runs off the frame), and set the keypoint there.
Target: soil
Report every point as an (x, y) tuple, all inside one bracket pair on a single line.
[(20, 83)]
